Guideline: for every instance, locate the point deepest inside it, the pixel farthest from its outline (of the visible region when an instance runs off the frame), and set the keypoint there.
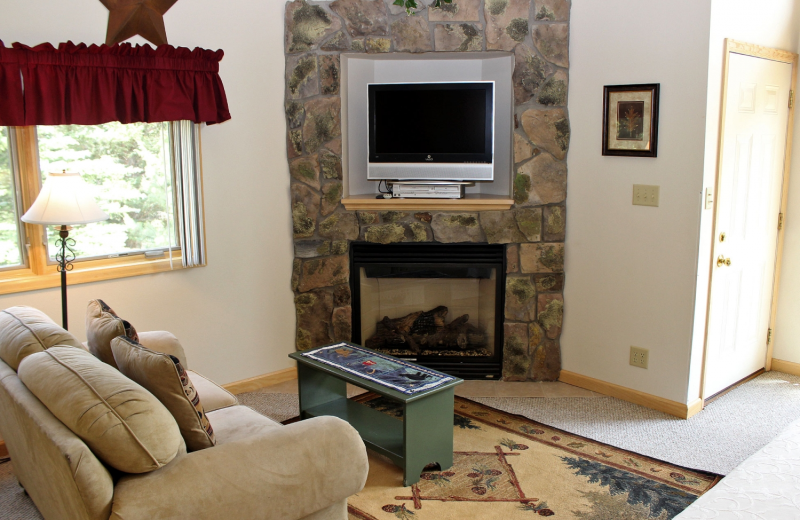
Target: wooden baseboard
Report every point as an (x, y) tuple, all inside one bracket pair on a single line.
[(3, 450), (788, 367), (695, 407), (682, 410), (258, 382)]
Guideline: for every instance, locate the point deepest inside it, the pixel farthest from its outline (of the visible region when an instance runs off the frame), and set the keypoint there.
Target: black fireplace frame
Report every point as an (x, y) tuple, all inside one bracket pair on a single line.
[(364, 254)]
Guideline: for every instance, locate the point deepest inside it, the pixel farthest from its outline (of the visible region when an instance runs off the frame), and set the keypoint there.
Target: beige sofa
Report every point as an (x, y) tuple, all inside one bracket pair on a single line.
[(259, 469)]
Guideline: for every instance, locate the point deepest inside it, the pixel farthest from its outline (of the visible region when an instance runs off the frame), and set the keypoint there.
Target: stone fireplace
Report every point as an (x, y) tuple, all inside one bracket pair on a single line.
[(526, 326)]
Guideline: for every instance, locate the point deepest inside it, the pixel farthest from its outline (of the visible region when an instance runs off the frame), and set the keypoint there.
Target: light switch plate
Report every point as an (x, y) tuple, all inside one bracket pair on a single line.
[(640, 357), (645, 195)]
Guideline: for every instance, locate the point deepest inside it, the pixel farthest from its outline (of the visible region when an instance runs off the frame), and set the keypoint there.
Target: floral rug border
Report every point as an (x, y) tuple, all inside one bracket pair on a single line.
[(711, 478)]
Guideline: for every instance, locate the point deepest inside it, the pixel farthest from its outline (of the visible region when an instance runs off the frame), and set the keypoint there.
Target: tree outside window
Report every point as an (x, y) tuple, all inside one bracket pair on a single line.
[(128, 167)]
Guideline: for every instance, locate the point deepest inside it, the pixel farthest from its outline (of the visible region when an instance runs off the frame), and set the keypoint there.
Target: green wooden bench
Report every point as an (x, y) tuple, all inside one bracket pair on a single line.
[(424, 436)]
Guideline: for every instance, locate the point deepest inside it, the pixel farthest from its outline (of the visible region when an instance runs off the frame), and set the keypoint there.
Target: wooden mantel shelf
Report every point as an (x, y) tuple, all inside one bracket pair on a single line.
[(472, 202)]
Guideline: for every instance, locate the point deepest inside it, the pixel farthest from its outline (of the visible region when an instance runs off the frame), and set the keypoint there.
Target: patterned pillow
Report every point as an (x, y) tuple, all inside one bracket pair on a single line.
[(164, 376), (130, 331), (194, 398), (103, 325)]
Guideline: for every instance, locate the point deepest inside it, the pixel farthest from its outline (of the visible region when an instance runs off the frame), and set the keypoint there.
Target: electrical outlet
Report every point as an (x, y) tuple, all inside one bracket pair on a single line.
[(644, 195), (639, 357)]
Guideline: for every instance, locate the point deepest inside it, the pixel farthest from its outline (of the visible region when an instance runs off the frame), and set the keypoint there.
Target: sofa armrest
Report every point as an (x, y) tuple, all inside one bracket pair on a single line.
[(164, 342), (284, 473), (213, 396)]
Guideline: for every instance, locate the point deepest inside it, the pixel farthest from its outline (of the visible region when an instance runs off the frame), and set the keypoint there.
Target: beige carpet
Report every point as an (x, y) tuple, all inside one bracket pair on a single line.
[(14, 503), (277, 407), (718, 439)]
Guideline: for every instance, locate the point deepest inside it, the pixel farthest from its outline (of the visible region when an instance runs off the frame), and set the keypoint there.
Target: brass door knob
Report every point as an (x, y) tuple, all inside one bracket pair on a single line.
[(721, 260)]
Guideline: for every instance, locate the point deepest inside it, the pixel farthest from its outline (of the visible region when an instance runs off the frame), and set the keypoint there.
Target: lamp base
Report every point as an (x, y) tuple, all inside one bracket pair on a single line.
[(64, 258)]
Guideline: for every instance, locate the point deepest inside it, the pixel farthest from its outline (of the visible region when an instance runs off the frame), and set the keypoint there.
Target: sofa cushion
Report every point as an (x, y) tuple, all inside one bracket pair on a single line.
[(122, 423), (236, 423), (164, 376), (103, 325), (277, 473), (214, 396), (25, 330)]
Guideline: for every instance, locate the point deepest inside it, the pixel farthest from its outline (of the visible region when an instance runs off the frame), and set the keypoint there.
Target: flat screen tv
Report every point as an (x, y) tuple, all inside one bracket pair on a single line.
[(431, 131)]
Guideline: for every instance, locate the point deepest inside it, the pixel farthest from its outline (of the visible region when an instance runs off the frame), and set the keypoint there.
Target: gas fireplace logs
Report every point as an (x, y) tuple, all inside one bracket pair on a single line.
[(427, 330)]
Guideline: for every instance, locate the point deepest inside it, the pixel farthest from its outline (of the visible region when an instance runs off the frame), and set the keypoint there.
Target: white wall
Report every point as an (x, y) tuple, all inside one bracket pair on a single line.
[(776, 24), (630, 270), (235, 317)]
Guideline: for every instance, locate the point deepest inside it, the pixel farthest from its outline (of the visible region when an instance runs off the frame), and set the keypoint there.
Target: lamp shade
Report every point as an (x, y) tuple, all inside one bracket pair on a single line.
[(64, 200)]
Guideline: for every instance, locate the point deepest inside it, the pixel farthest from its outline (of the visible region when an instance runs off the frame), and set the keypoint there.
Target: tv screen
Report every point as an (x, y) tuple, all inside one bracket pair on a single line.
[(431, 122)]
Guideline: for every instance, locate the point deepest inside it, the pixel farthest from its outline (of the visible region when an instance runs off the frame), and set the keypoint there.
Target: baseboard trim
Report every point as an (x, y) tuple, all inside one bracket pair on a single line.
[(788, 367), (258, 382), (695, 407), (682, 410), (3, 450)]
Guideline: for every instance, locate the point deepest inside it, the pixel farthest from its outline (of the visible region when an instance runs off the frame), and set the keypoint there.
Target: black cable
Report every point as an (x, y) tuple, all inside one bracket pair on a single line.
[(382, 194)]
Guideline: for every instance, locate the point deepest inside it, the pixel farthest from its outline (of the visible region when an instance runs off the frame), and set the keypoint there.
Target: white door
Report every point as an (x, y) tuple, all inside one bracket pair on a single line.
[(749, 188)]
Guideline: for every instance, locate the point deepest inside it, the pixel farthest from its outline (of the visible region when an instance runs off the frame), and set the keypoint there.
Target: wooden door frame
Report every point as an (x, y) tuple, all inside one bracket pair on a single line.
[(756, 51)]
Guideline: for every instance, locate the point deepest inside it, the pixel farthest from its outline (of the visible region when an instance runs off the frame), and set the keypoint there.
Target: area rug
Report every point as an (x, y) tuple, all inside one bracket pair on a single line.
[(507, 467)]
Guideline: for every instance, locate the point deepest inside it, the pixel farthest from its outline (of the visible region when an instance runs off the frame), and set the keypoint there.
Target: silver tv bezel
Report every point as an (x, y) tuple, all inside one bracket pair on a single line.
[(467, 172)]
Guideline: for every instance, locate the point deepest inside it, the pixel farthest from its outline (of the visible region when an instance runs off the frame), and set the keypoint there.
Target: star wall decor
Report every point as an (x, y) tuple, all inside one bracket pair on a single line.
[(127, 18)]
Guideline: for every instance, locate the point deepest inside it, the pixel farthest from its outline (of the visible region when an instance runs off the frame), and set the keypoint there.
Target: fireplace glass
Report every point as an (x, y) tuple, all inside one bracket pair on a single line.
[(428, 310), (437, 305)]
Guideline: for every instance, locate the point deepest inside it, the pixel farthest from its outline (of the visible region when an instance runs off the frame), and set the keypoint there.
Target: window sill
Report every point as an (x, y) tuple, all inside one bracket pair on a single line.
[(22, 280)]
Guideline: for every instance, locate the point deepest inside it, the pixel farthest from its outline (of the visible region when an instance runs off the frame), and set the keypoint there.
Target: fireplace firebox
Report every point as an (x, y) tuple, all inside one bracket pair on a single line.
[(439, 305)]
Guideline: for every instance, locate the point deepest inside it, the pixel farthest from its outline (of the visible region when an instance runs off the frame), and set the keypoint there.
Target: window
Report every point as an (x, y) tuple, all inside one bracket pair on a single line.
[(10, 233), (128, 168), (145, 176)]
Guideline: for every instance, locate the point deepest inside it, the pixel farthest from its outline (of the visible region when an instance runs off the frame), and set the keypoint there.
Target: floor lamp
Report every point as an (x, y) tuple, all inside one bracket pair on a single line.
[(64, 201)]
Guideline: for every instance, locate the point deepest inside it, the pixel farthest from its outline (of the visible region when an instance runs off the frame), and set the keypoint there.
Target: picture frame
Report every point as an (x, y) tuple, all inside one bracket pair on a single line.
[(630, 120)]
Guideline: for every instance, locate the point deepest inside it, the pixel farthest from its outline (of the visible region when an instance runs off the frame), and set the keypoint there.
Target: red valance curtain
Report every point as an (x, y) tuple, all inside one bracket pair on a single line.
[(12, 108), (90, 85)]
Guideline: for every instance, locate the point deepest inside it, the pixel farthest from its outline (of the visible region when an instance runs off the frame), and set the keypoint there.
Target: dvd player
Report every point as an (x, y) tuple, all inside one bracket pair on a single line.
[(428, 190)]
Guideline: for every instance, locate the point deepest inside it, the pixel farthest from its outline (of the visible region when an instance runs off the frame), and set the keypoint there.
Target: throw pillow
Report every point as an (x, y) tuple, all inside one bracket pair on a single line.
[(25, 331), (164, 376), (103, 325), (122, 423)]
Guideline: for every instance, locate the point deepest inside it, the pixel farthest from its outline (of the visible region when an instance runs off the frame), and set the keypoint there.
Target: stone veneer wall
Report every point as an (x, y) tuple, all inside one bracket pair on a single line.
[(537, 32)]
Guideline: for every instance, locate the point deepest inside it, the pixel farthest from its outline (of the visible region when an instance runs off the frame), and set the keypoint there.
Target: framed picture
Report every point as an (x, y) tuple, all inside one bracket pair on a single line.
[(630, 120)]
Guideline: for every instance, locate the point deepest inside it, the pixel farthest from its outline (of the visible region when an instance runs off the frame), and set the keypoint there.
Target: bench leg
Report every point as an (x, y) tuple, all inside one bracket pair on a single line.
[(428, 434), (316, 388)]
